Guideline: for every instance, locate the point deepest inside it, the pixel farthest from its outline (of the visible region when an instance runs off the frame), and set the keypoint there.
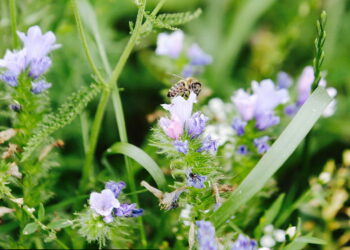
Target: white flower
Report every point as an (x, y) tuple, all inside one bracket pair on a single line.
[(330, 109), (291, 231), (268, 229), (325, 177), (181, 108), (14, 62), (170, 44), (267, 241), (279, 235), (103, 203)]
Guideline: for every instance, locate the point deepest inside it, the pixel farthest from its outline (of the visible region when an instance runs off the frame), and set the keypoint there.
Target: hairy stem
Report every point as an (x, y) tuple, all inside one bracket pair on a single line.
[(12, 5)]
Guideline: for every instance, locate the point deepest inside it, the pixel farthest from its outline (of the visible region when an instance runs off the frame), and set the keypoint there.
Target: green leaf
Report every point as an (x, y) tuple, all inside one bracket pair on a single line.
[(270, 215), (311, 240), (279, 152), (41, 212), (58, 224), (140, 157), (30, 228)]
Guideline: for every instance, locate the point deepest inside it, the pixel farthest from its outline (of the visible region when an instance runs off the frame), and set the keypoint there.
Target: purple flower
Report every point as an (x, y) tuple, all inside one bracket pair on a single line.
[(14, 62), (244, 243), (172, 128), (209, 145), (15, 107), (128, 210), (245, 104), (9, 78), (239, 125), (188, 71), (39, 86), (196, 124), (264, 121), (170, 44), (103, 203), (261, 144), (290, 110), (242, 150), (39, 66), (38, 45), (115, 187), (197, 56), (181, 146), (304, 84), (180, 107), (195, 180), (268, 97), (284, 81), (206, 235)]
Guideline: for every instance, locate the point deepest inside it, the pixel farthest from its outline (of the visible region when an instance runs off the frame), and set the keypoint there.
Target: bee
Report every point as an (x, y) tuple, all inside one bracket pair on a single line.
[(184, 87)]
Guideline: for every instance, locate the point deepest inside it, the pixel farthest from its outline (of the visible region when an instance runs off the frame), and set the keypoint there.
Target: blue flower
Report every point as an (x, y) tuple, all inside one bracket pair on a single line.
[(15, 107), (115, 187), (206, 236), (244, 243), (284, 81), (261, 144), (196, 124), (238, 125), (290, 110), (195, 180), (266, 120), (38, 45), (103, 203), (209, 145), (9, 78), (39, 66), (39, 86), (242, 150), (128, 210), (197, 56), (181, 146)]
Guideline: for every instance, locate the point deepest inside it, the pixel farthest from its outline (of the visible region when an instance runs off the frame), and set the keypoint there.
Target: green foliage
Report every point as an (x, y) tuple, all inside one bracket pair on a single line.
[(63, 116)]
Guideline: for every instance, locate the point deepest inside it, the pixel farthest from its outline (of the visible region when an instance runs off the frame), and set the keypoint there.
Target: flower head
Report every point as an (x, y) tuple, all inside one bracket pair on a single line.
[(170, 44), (195, 180), (261, 144), (14, 61), (181, 146), (242, 150), (206, 235), (128, 210), (239, 125), (268, 97), (290, 110), (172, 128), (39, 66), (103, 203), (197, 56), (196, 124), (244, 243), (9, 78), (208, 145), (283, 80), (115, 187), (266, 120), (40, 86), (245, 104), (38, 45), (180, 107), (304, 84)]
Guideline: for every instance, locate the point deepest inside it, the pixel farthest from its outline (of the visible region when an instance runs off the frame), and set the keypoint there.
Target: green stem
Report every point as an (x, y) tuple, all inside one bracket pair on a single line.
[(12, 5), (84, 42)]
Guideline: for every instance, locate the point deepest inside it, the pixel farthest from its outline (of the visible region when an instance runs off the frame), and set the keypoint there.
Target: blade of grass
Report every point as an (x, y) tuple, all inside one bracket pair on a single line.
[(279, 152), (140, 157)]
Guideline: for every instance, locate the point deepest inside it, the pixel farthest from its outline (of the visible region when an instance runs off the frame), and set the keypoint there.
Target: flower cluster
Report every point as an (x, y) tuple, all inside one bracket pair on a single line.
[(206, 236), (272, 236), (32, 59), (107, 205), (172, 45), (244, 243)]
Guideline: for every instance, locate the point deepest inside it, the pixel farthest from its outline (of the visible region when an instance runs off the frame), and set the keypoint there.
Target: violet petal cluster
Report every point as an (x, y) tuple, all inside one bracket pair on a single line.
[(239, 126), (196, 124), (195, 180), (33, 56), (181, 146), (170, 44), (206, 236), (244, 243), (115, 187), (261, 144), (208, 145), (242, 150), (128, 210), (284, 81)]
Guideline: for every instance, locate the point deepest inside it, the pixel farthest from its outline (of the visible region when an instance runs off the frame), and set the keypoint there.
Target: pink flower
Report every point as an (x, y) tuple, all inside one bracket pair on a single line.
[(245, 104), (172, 128)]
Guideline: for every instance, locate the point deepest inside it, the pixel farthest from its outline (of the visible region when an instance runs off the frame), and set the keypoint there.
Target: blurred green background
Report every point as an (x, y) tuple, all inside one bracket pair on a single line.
[(248, 39)]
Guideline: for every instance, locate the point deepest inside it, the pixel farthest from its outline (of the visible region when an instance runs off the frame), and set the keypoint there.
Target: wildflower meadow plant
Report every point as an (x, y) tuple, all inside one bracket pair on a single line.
[(204, 176)]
